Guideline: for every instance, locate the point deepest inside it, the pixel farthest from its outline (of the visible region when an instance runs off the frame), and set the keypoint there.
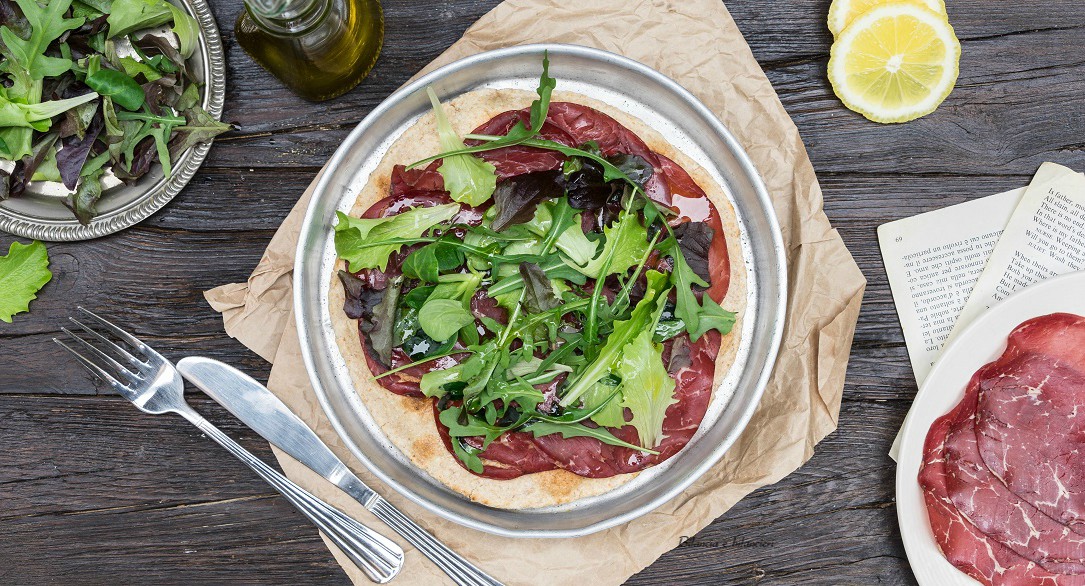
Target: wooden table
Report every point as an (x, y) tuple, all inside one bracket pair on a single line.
[(92, 492)]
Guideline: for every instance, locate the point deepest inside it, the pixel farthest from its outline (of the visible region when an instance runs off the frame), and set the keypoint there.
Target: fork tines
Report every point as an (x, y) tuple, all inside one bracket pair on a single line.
[(107, 355)]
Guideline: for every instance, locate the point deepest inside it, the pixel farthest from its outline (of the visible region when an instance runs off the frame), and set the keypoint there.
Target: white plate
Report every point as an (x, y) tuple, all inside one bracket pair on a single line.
[(981, 342)]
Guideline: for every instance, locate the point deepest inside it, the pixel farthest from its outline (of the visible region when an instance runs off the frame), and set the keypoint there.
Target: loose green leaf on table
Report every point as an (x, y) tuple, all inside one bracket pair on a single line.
[(23, 272)]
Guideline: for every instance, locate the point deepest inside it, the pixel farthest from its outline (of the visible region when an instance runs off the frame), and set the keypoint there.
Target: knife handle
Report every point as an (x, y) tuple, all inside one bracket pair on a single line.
[(380, 558)]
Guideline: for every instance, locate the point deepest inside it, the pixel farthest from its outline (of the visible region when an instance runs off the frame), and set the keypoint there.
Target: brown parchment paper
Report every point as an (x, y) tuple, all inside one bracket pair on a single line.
[(696, 43)]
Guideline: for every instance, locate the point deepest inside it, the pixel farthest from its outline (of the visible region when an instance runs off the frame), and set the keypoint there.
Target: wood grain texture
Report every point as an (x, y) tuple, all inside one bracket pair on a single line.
[(93, 492)]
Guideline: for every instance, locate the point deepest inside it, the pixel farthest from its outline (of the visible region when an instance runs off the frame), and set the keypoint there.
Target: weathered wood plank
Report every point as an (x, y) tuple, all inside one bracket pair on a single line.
[(118, 468)]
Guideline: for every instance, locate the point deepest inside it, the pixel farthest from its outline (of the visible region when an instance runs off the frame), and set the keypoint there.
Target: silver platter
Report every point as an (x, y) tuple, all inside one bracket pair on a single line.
[(40, 212), (688, 125)]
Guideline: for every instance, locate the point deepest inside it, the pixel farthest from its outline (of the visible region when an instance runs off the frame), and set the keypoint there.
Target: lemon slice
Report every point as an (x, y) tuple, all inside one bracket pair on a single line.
[(895, 63), (842, 12)]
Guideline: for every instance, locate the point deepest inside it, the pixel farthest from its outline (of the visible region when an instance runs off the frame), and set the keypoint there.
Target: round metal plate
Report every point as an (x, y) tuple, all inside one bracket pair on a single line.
[(40, 212), (688, 125)]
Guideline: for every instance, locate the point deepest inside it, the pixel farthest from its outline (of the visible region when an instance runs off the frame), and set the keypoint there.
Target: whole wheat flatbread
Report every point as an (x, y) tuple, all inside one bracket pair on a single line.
[(408, 422)]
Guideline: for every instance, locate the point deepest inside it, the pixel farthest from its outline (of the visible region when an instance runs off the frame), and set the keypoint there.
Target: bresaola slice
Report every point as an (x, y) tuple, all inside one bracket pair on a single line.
[(1002, 472), (1032, 419)]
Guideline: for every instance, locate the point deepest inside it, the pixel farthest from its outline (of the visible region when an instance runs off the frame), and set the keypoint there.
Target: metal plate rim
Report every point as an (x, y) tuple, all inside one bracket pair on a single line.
[(311, 224), (163, 190)]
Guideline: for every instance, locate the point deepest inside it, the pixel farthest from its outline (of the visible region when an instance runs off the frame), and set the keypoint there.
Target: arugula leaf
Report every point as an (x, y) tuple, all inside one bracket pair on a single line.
[(468, 179), (366, 243), (642, 318), (540, 428), (687, 308), (626, 242), (647, 388), (47, 24), (199, 126), (38, 116), (554, 268), (23, 272), (442, 318), (517, 134)]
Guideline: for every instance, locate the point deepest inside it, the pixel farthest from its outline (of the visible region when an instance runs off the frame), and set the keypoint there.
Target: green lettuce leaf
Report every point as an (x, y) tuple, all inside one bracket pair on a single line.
[(38, 116), (129, 16), (23, 272), (640, 320), (559, 226), (468, 178), (602, 395), (647, 388), (187, 30), (626, 242), (367, 243)]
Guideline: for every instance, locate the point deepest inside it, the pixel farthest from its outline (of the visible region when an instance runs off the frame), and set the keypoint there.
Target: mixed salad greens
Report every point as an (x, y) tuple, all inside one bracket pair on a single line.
[(532, 257), (89, 87)]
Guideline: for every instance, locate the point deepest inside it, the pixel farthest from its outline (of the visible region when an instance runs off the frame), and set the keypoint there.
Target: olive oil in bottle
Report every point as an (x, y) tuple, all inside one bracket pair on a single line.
[(319, 48)]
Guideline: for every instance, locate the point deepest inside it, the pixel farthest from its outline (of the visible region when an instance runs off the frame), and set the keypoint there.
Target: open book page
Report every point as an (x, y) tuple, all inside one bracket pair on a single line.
[(1044, 238), (933, 261)]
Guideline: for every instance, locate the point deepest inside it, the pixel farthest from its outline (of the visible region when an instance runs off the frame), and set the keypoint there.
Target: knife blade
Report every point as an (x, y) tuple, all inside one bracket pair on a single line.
[(267, 415)]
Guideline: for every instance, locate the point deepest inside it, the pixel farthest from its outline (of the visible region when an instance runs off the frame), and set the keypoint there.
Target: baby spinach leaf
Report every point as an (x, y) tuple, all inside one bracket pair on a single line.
[(23, 272), (541, 428), (367, 243), (120, 87), (468, 179), (443, 318), (427, 262), (635, 168)]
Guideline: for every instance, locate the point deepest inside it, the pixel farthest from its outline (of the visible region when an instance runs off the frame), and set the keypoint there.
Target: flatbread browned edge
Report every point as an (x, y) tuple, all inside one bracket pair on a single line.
[(407, 422)]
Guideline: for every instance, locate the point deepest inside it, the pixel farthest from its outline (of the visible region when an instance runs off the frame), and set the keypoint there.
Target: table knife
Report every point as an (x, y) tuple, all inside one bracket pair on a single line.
[(267, 415)]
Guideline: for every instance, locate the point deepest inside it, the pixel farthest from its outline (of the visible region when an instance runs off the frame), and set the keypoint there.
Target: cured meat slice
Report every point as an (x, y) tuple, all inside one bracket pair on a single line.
[(999, 513), (1031, 418), (964, 545), (509, 456), (1000, 477)]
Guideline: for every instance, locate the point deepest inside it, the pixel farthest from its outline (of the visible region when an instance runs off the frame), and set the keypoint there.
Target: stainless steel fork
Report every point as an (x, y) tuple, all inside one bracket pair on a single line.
[(153, 384)]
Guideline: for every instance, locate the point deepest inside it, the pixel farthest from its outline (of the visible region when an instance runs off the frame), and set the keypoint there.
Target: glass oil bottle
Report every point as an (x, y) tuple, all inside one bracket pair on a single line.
[(319, 48)]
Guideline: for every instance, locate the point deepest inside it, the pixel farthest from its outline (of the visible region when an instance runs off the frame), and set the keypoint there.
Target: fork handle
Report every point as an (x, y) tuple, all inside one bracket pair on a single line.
[(377, 556), (462, 572)]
